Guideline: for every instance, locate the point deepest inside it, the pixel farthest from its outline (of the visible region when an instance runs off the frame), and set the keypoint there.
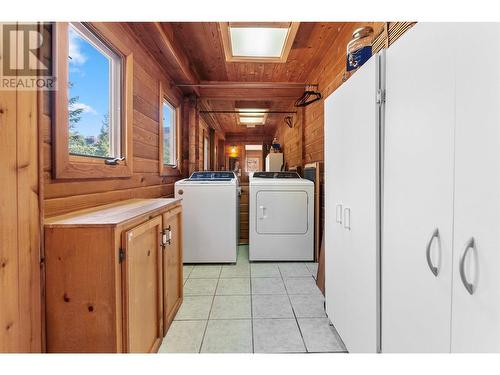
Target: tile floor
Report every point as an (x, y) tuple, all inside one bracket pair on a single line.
[(251, 308)]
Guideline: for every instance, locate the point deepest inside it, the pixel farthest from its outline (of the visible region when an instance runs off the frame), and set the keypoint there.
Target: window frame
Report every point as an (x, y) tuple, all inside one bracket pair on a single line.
[(164, 96), (70, 166)]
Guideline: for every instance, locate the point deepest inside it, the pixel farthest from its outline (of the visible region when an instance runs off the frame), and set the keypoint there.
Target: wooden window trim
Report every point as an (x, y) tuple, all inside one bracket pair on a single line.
[(82, 167), (168, 170)]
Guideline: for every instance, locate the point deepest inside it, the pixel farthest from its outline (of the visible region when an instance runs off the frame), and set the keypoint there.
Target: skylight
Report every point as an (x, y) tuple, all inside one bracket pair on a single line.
[(257, 41)]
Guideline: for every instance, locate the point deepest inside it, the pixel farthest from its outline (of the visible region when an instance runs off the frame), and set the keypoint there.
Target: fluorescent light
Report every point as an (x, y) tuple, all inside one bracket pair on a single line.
[(251, 120), (246, 110), (253, 147), (257, 41), (252, 112)]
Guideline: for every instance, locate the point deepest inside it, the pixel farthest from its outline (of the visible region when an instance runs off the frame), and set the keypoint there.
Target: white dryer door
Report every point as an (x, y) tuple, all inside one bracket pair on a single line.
[(281, 212)]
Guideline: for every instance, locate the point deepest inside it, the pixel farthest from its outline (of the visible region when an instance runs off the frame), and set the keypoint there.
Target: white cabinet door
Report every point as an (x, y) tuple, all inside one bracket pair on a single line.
[(418, 191), (334, 186), (351, 130), (476, 317)]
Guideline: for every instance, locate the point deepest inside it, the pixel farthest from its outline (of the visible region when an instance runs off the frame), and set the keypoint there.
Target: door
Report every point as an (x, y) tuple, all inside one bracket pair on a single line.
[(476, 314), (142, 282), (417, 225), (172, 265), (281, 212), (352, 257)]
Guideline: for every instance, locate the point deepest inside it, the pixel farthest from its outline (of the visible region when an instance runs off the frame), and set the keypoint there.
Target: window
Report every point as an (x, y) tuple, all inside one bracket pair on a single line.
[(258, 41), (93, 102), (94, 86), (169, 134), (206, 153)]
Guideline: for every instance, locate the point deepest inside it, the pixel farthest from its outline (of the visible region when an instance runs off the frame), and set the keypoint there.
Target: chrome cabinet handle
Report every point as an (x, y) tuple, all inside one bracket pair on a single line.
[(432, 267), (347, 218), (338, 213), (471, 244), (166, 237)]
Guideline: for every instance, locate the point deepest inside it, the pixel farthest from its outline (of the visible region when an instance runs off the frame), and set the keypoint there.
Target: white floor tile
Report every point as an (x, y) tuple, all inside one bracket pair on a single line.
[(251, 307), (319, 335), (231, 307), (271, 306), (228, 336), (268, 285), (241, 269), (313, 269), (200, 287), (233, 286), (302, 285), (194, 308), (294, 270), (277, 336), (308, 306), (205, 271), (265, 270), (183, 337), (186, 270)]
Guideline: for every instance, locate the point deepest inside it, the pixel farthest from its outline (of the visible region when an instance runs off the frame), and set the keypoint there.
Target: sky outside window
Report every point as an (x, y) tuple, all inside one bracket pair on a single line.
[(89, 81), (168, 116)]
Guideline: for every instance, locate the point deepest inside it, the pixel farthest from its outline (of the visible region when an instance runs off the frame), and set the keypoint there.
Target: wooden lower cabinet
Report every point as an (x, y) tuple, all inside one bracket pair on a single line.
[(142, 270), (172, 266), (112, 284)]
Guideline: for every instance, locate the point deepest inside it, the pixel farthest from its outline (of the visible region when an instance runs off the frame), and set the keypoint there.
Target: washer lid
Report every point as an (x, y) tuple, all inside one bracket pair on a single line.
[(212, 175), (280, 175)]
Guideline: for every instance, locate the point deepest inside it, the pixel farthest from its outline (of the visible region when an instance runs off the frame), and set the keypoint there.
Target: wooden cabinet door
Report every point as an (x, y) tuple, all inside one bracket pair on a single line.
[(142, 267), (476, 248), (172, 265)]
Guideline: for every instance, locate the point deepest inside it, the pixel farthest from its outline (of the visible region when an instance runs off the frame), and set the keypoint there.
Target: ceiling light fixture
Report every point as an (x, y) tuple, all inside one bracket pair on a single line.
[(252, 120)]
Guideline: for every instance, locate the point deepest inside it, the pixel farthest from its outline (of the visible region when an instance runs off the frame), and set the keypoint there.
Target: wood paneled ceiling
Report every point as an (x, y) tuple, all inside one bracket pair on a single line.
[(201, 43)]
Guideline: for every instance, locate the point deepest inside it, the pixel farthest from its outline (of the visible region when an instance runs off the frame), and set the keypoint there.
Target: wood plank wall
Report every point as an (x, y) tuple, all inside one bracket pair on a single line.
[(68, 195), (305, 143), (20, 283), (292, 139)]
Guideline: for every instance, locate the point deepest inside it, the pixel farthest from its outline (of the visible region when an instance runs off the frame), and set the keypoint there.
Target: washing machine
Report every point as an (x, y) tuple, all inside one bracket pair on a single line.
[(281, 217), (210, 212)]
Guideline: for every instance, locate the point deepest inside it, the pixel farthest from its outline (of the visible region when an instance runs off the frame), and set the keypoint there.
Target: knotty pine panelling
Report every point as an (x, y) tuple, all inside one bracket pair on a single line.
[(21, 311), (292, 139), (63, 196)]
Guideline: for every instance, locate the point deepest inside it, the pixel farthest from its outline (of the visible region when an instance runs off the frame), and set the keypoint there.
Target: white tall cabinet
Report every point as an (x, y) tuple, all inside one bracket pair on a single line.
[(441, 199), (417, 229), (351, 200), (476, 243)]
